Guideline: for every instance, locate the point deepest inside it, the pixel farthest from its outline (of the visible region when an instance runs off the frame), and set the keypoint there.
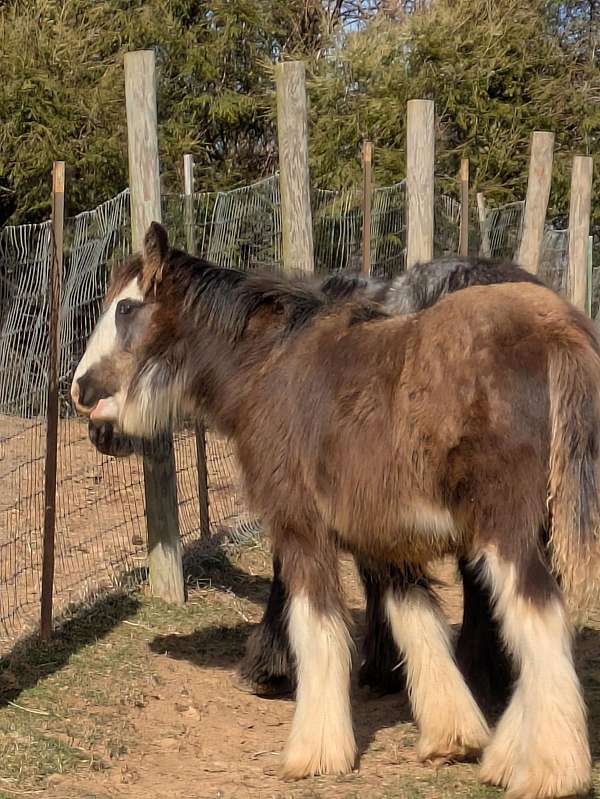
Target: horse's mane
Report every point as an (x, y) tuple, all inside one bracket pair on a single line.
[(227, 298)]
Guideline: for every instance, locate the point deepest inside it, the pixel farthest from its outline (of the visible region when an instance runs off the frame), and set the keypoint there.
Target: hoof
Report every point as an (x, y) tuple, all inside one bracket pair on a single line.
[(443, 756), (466, 744), (527, 774), (530, 784), (301, 761), (274, 688)]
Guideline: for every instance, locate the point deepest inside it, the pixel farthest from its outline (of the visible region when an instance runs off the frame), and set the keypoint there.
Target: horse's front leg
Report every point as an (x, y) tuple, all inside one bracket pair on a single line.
[(450, 722), (322, 738), (268, 666)]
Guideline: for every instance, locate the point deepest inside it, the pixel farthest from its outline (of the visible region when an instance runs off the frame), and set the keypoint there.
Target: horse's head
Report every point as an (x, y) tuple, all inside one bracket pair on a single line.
[(172, 329), (103, 376)]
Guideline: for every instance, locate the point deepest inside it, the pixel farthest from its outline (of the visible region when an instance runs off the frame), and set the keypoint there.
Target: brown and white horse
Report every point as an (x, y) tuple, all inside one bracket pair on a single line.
[(268, 666), (465, 429)]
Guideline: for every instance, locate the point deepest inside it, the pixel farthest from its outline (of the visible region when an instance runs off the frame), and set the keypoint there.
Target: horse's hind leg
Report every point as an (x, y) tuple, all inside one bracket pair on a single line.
[(451, 724), (322, 739), (480, 651), (540, 746), (381, 668), (268, 666)]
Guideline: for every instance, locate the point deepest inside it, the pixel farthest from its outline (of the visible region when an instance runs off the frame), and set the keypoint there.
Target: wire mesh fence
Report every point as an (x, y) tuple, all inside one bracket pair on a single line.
[(500, 234), (101, 533), (554, 260)]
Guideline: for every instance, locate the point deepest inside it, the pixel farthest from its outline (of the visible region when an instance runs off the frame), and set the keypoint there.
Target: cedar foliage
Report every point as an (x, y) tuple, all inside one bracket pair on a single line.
[(62, 91), (497, 69)]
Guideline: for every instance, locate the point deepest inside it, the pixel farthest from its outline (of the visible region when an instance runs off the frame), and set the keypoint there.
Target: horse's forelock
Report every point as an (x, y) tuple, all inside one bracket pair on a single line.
[(122, 273)]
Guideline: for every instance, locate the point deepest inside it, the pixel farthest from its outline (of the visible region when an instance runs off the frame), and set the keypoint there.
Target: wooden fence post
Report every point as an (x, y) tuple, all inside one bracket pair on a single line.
[(420, 155), (203, 508), (367, 162), (188, 189), (54, 290), (485, 249), (590, 275), (536, 202), (160, 480), (579, 229), (463, 241), (294, 176)]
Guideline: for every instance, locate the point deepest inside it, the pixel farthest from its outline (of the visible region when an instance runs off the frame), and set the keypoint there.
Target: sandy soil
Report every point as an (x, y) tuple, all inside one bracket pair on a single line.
[(196, 736), (100, 526), (200, 736)]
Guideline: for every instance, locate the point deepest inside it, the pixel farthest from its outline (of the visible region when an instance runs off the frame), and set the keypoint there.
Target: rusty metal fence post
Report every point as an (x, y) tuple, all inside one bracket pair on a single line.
[(54, 289)]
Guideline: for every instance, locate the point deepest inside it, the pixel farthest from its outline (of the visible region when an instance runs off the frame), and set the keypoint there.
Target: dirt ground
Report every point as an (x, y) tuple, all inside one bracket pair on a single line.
[(140, 701)]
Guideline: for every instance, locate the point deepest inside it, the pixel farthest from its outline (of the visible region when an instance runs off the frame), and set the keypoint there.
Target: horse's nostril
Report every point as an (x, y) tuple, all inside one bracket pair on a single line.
[(87, 392), (84, 398)]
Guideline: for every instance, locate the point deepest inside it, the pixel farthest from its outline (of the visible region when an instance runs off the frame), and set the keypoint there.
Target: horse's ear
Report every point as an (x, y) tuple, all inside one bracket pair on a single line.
[(156, 249)]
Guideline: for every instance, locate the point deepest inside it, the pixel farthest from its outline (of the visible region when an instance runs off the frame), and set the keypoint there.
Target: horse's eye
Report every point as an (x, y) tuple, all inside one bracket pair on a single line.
[(125, 307)]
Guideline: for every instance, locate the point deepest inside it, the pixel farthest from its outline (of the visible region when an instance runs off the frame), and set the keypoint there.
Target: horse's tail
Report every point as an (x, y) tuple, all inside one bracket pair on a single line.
[(574, 475)]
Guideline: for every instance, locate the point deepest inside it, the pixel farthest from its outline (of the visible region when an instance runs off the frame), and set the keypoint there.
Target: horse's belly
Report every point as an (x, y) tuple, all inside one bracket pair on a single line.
[(417, 533)]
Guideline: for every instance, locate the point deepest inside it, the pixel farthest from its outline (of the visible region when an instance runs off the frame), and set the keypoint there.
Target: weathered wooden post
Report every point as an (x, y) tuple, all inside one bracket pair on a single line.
[(579, 229), (536, 202), (590, 275), (294, 176), (463, 241), (485, 249), (367, 162), (420, 155), (203, 509), (160, 481), (54, 290), (188, 190)]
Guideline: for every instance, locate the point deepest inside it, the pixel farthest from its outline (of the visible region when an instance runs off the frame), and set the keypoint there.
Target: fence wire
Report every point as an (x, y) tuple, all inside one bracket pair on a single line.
[(500, 233), (100, 527)]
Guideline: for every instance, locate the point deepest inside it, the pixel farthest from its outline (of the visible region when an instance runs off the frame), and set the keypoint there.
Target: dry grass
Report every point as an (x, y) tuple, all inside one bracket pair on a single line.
[(133, 699)]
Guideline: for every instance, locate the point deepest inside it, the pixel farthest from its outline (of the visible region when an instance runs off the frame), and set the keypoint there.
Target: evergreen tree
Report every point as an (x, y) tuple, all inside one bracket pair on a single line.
[(62, 90), (497, 71)]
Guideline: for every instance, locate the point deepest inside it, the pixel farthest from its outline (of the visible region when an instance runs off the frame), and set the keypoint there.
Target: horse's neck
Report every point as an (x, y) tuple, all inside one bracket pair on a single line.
[(227, 377)]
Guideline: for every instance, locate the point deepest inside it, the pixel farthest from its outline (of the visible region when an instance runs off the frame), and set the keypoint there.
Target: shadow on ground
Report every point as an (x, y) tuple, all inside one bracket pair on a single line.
[(207, 562), (222, 647), (32, 659)]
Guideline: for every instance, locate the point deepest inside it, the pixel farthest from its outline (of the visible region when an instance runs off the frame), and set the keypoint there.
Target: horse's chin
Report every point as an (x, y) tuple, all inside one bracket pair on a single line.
[(108, 440)]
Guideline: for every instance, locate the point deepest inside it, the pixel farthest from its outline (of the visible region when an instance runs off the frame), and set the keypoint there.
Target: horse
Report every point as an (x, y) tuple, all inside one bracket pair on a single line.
[(467, 429), (267, 667)]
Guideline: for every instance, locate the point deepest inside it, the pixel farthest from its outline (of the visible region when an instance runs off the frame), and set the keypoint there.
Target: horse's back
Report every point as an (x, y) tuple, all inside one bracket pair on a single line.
[(422, 286), (451, 403)]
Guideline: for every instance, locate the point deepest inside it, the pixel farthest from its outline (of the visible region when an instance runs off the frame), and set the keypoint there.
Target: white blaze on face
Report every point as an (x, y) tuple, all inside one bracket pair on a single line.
[(103, 341)]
